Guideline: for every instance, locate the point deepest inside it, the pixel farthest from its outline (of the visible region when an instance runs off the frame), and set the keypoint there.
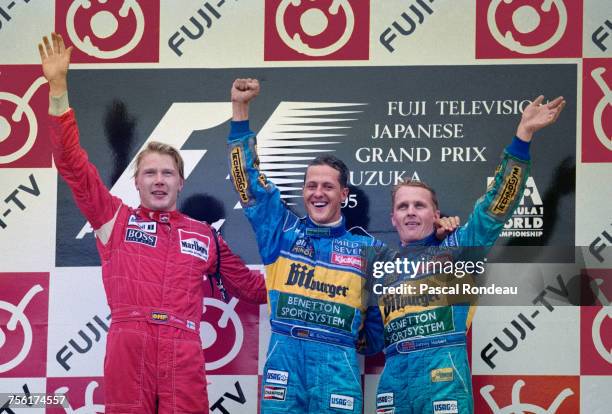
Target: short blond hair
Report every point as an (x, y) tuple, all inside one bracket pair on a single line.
[(164, 149), (407, 182)]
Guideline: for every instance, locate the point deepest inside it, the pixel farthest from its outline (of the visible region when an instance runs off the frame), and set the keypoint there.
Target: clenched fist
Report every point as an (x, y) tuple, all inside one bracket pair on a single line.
[(244, 90)]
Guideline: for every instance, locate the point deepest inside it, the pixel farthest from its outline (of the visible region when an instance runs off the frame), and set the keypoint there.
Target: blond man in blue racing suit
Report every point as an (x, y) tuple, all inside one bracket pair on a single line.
[(427, 369)]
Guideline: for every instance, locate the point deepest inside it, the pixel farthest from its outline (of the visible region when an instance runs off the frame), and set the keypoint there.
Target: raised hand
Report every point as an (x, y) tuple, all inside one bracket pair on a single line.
[(243, 91), (55, 58), (537, 116), (445, 226)]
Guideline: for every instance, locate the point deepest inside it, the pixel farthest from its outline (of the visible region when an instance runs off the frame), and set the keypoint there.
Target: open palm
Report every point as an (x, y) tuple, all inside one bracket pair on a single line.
[(55, 58)]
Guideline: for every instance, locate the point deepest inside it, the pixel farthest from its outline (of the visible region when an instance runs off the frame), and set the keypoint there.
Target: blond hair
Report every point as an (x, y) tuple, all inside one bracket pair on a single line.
[(164, 149), (407, 182)]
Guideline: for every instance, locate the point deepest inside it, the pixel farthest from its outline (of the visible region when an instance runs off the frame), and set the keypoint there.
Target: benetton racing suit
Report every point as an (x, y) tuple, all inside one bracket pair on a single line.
[(153, 264), (427, 369), (315, 278)]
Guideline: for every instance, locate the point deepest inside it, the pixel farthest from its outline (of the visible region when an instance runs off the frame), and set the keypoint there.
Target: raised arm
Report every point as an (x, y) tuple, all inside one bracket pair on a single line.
[(55, 58), (260, 198), (537, 116), (92, 197), (496, 206)]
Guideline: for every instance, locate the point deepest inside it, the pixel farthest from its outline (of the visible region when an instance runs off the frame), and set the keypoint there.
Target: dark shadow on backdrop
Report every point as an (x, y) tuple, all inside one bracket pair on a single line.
[(119, 127), (203, 207), (359, 215)]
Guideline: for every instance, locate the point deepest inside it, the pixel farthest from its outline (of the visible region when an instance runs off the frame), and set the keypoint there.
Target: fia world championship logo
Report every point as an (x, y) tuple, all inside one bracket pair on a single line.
[(109, 30), (597, 110), (508, 29), (24, 101), (316, 30)]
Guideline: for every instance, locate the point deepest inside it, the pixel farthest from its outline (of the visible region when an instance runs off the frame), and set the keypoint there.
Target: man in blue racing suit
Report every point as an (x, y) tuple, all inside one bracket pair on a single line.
[(427, 369), (315, 278)]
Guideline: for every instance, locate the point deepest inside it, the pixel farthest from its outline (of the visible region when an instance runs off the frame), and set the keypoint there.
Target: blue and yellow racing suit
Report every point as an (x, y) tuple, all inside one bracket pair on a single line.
[(317, 296), (427, 369)]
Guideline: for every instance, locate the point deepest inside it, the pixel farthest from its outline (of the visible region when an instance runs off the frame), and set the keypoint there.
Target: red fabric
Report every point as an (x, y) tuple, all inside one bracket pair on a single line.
[(152, 268)]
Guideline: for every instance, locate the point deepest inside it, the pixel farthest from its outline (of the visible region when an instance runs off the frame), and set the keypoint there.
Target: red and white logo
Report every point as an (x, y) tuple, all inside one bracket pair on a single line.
[(346, 260), (83, 395), (24, 103), (24, 303), (194, 244), (596, 324), (529, 394), (225, 327), (110, 30), (528, 29), (597, 110), (317, 30)]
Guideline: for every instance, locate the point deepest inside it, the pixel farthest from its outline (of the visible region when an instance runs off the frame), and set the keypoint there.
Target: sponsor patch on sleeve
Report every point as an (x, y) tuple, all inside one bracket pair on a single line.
[(446, 407), (277, 377), (509, 191), (342, 402), (274, 393), (239, 174), (139, 236), (386, 410), (442, 375)]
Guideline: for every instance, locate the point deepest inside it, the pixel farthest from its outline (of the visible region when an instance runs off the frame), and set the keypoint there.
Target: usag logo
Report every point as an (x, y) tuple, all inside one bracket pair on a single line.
[(317, 30), (194, 244), (528, 29), (596, 110), (23, 118), (110, 30), (384, 399), (277, 377), (446, 407), (342, 402)]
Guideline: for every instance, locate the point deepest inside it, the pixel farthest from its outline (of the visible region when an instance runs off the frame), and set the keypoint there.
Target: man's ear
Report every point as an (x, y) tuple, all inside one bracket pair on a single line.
[(393, 222), (345, 193)]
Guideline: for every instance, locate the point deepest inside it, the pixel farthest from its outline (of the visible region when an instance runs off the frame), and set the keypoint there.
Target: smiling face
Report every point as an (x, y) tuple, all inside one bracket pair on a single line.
[(323, 194), (158, 182), (414, 213)]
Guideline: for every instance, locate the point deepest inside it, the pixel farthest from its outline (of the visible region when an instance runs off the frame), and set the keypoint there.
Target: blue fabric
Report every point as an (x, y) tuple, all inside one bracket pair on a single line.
[(426, 370), (310, 377), (317, 294)]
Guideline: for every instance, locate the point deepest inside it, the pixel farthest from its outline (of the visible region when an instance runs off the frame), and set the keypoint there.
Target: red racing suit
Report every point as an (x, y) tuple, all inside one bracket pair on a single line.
[(153, 263)]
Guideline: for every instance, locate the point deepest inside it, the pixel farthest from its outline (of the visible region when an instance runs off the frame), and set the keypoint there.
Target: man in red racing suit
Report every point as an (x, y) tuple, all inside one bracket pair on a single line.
[(153, 262)]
